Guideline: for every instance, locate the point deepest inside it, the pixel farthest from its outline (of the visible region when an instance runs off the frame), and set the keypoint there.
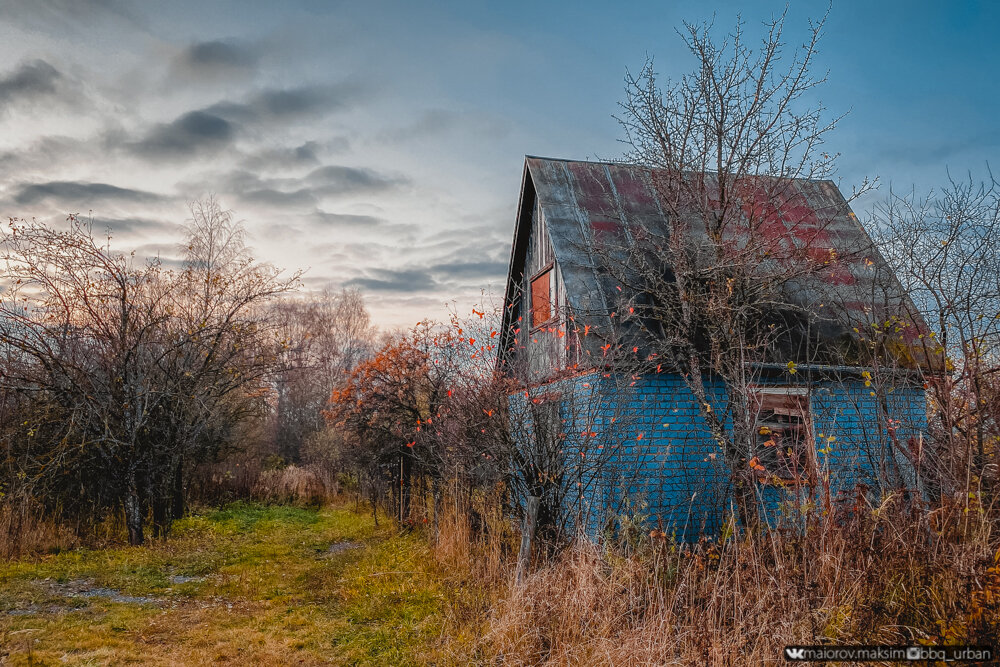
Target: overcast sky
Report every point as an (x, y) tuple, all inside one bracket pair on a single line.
[(380, 144)]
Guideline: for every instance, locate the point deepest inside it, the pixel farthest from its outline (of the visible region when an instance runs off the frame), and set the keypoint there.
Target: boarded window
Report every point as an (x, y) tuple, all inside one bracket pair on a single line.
[(541, 299), (784, 441)]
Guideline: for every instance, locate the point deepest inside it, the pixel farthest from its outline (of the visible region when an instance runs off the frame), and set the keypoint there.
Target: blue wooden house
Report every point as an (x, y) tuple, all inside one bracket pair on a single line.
[(841, 428)]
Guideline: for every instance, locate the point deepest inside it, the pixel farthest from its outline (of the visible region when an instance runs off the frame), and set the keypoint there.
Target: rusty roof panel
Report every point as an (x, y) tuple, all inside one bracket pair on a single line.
[(581, 201)]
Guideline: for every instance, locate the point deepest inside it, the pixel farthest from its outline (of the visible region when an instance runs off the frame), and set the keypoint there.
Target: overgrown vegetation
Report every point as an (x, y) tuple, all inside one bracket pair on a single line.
[(413, 497)]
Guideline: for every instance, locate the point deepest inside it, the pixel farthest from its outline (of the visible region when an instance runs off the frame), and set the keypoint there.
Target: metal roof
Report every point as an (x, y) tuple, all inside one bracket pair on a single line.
[(580, 200)]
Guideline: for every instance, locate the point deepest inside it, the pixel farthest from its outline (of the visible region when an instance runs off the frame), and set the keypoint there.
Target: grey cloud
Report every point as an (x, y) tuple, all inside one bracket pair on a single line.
[(307, 191), (294, 101), (489, 239), (345, 219), (288, 231), (278, 198), (79, 194), (216, 57), (191, 133), (335, 179), (241, 180), (277, 192), (216, 126), (280, 104), (385, 280), (484, 269), (44, 154), (137, 226), (304, 155), (31, 80), (471, 248)]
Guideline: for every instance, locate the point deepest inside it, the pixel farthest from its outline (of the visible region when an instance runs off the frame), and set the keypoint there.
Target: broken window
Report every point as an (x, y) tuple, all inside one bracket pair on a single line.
[(784, 440), (541, 299)]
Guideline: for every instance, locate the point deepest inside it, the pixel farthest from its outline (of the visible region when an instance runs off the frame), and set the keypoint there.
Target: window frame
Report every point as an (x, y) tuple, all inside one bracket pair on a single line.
[(799, 466), (547, 272)]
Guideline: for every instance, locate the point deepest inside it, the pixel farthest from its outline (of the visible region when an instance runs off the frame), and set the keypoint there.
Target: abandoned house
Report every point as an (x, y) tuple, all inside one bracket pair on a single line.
[(833, 417)]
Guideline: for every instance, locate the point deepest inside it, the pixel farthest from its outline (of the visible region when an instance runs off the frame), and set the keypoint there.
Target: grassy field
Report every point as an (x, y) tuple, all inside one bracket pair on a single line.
[(245, 584), (276, 585)]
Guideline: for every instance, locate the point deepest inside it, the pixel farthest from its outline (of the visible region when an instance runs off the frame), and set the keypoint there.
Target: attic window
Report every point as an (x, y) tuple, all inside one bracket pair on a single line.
[(541, 298), (784, 442)]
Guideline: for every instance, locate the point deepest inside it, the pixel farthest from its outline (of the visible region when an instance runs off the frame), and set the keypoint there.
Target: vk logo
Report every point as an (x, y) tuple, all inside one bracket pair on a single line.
[(793, 653)]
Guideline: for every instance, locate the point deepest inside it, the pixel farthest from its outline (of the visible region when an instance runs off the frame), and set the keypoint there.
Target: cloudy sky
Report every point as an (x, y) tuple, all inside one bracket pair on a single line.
[(380, 144)]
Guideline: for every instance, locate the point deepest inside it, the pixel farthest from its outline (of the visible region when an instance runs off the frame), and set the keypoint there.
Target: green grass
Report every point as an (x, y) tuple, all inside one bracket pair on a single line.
[(265, 590)]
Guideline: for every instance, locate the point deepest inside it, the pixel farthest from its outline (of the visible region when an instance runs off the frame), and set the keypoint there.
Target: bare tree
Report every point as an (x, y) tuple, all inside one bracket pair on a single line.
[(143, 369), (323, 337), (226, 347), (943, 247), (89, 327), (711, 288)]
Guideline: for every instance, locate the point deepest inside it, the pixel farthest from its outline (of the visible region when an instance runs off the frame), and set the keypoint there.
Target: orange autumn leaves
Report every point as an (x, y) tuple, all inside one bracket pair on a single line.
[(401, 394), (395, 391)]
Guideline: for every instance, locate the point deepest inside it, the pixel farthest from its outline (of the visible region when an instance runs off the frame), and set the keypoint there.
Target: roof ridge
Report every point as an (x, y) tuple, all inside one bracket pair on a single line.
[(623, 163)]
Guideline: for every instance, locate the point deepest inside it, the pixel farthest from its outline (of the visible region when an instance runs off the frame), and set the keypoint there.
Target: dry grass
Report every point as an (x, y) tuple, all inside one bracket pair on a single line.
[(25, 529), (293, 485), (888, 579)]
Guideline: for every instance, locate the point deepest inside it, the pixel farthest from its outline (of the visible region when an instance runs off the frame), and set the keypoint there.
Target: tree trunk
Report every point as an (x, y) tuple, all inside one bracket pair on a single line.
[(177, 504), (436, 499), (161, 517), (405, 483), (372, 495), (133, 512), (527, 535), (746, 502)]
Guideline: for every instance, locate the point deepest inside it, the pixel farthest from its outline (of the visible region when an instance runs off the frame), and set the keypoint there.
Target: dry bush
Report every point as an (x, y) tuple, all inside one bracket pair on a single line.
[(294, 485), (26, 529), (224, 481), (882, 576)]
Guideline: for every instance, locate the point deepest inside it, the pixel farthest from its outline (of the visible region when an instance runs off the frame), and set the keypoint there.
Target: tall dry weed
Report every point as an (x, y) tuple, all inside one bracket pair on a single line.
[(881, 575)]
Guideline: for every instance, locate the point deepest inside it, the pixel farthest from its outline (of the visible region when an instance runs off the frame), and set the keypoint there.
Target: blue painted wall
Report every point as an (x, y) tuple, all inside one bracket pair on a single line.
[(675, 475)]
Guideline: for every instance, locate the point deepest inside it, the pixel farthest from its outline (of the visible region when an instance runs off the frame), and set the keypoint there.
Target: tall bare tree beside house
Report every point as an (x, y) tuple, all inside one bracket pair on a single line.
[(726, 144), (943, 247)]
